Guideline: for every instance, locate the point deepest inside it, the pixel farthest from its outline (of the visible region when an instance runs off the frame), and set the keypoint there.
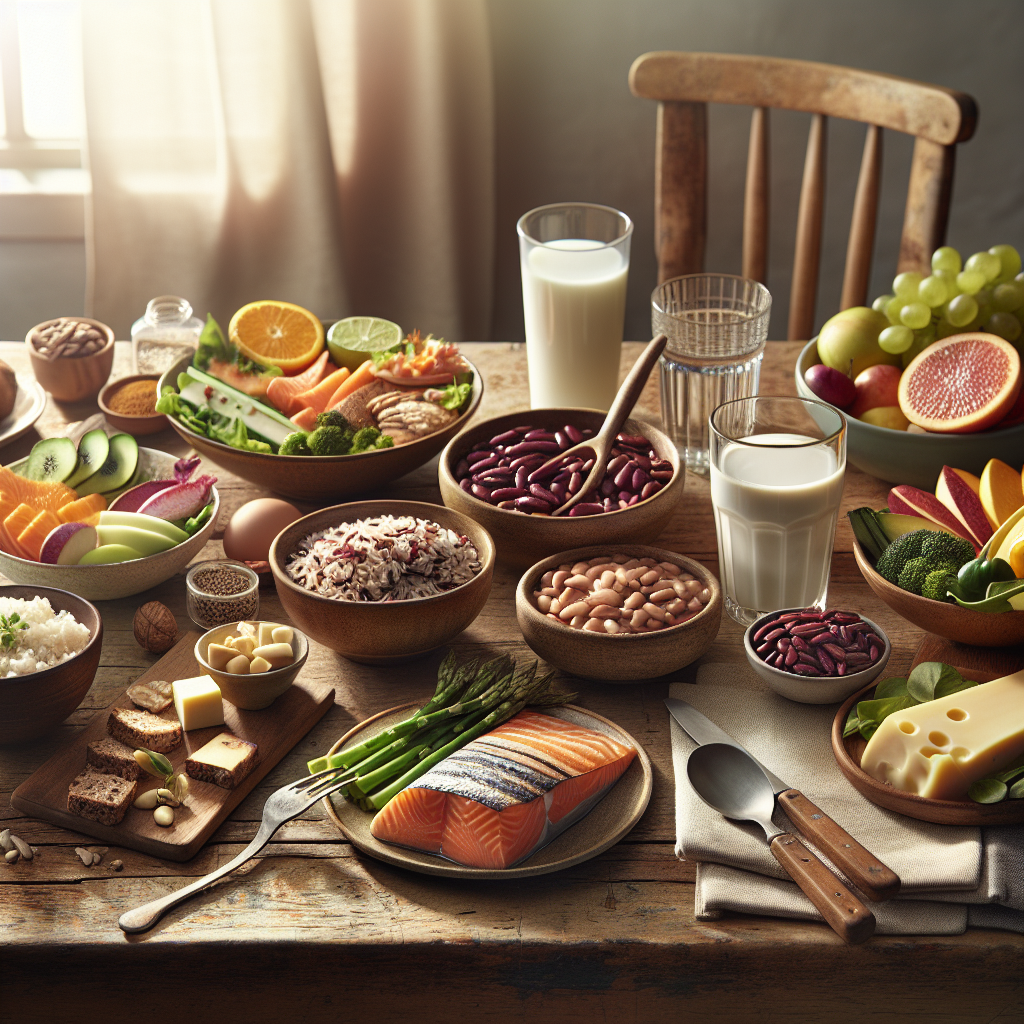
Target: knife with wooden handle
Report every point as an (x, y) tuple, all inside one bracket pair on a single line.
[(862, 867)]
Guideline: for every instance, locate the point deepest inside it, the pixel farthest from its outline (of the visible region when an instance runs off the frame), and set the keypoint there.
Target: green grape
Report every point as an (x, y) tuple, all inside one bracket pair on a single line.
[(984, 301), (1008, 296), (926, 335), (1009, 260), (948, 278), (970, 281), (913, 352), (881, 302), (915, 315), (1006, 325), (961, 310), (947, 258), (895, 340), (892, 311), (985, 263), (932, 291), (944, 329), (905, 285)]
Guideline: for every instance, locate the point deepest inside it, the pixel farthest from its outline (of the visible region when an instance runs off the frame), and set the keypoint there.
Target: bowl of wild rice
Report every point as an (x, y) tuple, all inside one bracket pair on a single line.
[(50, 642), (383, 581)]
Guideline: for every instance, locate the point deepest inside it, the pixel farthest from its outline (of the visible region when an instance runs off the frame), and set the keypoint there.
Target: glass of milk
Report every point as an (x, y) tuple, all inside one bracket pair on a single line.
[(575, 261), (776, 485)]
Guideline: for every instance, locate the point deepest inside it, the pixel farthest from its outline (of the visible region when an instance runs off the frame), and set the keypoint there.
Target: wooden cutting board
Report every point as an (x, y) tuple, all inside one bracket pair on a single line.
[(274, 730)]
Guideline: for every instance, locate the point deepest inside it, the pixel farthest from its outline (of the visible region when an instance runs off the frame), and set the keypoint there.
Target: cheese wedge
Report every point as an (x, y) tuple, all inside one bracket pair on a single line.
[(198, 702), (938, 749)]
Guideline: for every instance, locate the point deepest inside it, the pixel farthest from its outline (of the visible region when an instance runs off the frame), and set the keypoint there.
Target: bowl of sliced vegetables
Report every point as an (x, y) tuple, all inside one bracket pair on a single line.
[(326, 431), (107, 532)]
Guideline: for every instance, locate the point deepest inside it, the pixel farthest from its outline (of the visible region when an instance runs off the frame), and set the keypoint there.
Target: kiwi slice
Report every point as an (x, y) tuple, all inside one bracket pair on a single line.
[(51, 461), (116, 470), (93, 450)]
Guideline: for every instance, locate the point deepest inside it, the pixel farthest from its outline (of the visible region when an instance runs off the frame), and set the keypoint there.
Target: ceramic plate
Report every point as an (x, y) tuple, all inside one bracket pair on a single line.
[(602, 828), (28, 407), (848, 753)]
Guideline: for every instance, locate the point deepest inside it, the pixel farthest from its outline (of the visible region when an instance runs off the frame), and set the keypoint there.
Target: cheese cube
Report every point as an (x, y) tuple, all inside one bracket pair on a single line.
[(282, 634), (938, 749), (238, 665), (265, 634), (218, 655), (244, 645), (224, 761), (278, 655), (260, 665), (198, 702)]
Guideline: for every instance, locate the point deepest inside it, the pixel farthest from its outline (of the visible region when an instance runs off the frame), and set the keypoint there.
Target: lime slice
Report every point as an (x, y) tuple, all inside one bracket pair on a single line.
[(352, 340)]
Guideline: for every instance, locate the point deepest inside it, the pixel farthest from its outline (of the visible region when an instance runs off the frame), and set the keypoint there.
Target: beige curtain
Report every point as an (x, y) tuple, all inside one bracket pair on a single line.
[(334, 153)]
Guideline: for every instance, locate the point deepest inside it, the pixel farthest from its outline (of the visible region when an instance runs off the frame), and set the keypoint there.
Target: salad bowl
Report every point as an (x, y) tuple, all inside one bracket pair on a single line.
[(326, 477)]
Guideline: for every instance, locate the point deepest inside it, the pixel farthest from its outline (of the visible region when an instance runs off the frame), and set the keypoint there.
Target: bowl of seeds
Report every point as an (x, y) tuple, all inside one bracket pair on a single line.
[(129, 404), (71, 356), (221, 590)]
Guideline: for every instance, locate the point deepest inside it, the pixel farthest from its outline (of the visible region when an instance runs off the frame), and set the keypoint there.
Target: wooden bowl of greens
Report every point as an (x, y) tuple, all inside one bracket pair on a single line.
[(319, 478)]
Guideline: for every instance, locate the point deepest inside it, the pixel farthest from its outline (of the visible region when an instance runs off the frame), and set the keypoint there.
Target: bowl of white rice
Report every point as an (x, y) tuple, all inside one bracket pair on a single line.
[(50, 642)]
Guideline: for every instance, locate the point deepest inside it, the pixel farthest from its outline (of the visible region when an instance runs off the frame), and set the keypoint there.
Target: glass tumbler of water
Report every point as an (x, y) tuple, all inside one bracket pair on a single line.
[(716, 325)]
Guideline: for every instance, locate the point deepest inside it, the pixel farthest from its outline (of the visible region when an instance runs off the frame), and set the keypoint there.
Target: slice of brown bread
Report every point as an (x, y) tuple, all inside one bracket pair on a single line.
[(224, 761), (142, 729), (100, 797), (113, 758)]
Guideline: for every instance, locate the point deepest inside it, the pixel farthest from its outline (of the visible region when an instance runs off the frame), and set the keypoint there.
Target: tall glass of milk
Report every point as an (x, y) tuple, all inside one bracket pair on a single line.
[(776, 484), (575, 261)]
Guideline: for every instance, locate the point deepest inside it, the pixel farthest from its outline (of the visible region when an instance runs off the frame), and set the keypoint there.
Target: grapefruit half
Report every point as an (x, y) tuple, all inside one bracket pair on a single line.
[(961, 384)]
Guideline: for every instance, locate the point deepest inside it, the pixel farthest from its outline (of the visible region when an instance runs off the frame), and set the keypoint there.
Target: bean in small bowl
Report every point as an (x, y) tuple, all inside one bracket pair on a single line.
[(816, 657)]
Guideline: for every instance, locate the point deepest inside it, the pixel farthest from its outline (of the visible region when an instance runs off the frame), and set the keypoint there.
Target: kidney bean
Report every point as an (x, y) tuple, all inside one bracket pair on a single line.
[(806, 670), (532, 504), (575, 483), (509, 435), (521, 474), (488, 463), (495, 477), (616, 464), (481, 492), (466, 484), (509, 504), (538, 491), (539, 435), (586, 508), (825, 661), (624, 477), (661, 474), (532, 447), (461, 469), (638, 481), (558, 489), (528, 461), (508, 494), (478, 454)]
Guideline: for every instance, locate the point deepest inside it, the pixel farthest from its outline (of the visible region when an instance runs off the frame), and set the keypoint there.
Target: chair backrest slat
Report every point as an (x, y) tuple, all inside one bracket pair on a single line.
[(928, 199), (809, 222), (680, 188), (863, 222), (757, 200)]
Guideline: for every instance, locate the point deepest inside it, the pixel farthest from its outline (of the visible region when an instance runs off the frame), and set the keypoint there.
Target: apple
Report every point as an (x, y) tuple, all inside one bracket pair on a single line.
[(849, 341), (877, 386), (67, 544), (831, 386), (889, 416)]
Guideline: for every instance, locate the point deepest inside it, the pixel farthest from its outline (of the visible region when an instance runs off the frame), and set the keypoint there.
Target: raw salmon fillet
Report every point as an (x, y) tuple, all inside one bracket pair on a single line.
[(507, 794)]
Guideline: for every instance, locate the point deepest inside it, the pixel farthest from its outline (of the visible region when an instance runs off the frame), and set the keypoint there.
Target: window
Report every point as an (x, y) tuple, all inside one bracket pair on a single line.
[(42, 181)]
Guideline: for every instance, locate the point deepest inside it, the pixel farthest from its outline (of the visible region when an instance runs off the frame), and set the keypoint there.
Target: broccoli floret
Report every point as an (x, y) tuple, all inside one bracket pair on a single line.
[(365, 439), (296, 443), (913, 574), (330, 441), (899, 552), (332, 418), (937, 584), (946, 548), (384, 441)]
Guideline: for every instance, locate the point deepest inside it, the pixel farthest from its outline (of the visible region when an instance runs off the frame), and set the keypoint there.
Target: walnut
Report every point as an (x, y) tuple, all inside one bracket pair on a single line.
[(154, 627), (409, 416)]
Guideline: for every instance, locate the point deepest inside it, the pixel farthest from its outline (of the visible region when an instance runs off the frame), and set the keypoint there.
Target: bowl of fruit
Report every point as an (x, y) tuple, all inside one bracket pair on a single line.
[(102, 519), (313, 417), (930, 375)]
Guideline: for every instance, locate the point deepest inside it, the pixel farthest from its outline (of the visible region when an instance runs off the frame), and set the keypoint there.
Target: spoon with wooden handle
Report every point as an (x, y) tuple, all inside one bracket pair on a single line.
[(732, 782), (598, 446)]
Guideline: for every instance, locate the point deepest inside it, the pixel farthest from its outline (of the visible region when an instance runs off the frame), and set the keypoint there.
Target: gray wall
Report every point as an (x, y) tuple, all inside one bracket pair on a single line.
[(568, 129)]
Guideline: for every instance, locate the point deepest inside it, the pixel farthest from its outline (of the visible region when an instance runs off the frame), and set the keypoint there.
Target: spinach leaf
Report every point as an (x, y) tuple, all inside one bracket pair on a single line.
[(927, 679)]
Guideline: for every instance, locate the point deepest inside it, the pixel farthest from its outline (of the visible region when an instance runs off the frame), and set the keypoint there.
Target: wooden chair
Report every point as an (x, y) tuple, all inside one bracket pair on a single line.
[(684, 84)]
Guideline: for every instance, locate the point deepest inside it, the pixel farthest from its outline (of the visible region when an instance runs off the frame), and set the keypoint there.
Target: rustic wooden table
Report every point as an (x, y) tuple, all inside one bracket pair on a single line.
[(312, 931)]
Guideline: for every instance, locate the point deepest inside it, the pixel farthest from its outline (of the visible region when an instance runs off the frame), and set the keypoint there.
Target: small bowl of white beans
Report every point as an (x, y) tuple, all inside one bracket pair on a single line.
[(619, 613)]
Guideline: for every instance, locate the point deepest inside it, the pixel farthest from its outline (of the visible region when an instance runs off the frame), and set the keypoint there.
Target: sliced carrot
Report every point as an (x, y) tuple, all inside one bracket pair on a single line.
[(282, 392), (79, 511), (32, 537), (316, 398), (7, 506), (363, 375), (18, 521), (305, 419)]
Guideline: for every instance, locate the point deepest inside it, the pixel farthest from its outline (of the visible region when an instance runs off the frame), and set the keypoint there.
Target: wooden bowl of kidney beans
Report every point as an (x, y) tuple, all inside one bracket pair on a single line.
[(816, 657), (485, 472)]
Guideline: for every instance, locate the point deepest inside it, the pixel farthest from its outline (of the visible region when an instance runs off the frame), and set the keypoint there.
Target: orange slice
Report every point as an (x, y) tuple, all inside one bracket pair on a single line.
[(277, 334)]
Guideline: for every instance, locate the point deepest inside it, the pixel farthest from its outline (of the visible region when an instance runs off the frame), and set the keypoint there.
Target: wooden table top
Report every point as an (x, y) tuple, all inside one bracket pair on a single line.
[(314, 931)]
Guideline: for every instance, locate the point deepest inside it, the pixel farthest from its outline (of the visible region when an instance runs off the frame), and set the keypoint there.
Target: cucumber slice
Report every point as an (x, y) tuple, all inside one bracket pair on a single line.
[(93, 450), (117, 470), (51, 461)]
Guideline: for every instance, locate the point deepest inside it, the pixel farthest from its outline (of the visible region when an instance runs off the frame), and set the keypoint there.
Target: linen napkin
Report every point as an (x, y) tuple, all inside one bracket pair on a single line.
[(951, 877)]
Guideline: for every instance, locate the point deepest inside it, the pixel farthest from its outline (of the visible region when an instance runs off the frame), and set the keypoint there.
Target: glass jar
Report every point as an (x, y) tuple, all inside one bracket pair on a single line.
[(219, 591), (166, 332)]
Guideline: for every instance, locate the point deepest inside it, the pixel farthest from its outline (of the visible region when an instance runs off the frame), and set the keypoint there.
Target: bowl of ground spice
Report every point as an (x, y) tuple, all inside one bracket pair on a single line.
[(130, 405)]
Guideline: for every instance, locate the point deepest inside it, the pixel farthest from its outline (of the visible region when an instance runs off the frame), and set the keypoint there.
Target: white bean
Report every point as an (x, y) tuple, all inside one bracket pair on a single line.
[(604, 611), (594, 626), (572, 610), (606, 597), (544, 602), (611, 626), (634, 601)]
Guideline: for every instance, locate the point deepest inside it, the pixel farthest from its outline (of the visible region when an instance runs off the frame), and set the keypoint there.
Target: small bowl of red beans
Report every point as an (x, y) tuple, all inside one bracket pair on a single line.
[(495, 473)]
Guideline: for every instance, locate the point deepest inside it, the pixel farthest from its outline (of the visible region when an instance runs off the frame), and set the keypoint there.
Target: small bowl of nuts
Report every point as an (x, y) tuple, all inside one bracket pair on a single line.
[(252, 662), (816, 657), (71, 356), (619, 613)]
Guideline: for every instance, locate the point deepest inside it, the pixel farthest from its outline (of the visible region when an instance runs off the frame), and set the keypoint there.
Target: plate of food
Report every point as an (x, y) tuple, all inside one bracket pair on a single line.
[(550, 787), (275, 406), (28, 405), (937, 747)]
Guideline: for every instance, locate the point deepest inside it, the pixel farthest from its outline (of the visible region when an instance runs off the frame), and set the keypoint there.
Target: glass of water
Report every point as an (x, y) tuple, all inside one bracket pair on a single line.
[(716, 325)]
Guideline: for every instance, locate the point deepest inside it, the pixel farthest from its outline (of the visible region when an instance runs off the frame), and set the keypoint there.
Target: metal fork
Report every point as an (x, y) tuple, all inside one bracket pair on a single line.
[(284, 804)]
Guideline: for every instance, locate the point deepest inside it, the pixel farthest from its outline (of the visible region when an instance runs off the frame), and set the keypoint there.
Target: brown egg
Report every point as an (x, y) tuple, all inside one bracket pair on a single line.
[(255, 525)]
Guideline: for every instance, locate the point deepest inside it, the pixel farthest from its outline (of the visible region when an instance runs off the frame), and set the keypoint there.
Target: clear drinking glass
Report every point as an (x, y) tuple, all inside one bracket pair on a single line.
[(716, 325), (575, 261), (776, 485)]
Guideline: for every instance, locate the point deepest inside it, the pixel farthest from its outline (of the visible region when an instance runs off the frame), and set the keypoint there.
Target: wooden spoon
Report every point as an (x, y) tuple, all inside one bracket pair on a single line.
[(598, 446)]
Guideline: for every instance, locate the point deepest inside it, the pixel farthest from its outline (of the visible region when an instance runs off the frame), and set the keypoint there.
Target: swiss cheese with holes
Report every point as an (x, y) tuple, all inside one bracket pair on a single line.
[(939, 748)]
